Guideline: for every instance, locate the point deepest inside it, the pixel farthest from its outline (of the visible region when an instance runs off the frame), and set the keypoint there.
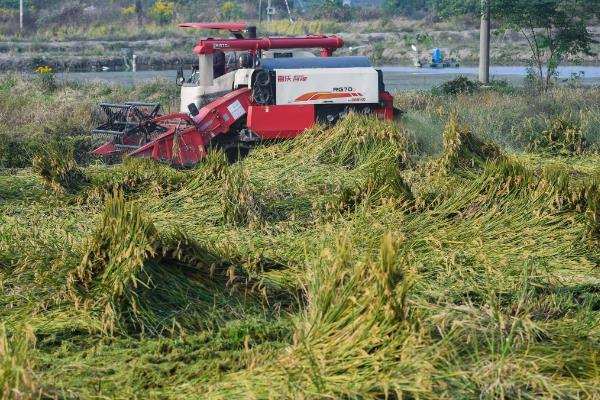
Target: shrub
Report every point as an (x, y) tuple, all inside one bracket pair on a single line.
[(163, 11), (16, 152), (128, 11), (46, 79), (230, 10), (457, 86)]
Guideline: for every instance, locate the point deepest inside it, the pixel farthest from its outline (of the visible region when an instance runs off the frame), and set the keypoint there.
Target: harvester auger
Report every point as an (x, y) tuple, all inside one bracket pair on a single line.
[(264, 89)]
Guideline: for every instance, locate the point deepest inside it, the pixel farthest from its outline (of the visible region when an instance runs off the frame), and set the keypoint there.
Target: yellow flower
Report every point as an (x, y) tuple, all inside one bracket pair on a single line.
[(44, 70)]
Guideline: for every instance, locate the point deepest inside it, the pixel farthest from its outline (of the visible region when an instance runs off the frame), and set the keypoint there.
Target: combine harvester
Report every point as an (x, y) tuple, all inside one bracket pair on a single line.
[(271, 89)]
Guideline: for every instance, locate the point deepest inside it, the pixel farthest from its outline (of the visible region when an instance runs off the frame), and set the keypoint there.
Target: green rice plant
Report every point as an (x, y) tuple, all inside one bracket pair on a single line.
[(335, 352), (17, 361), (358, 139), (133, 177), (138, 280), (508, 176), (57, 167), (214, 166), (462, 149), (241, 202), (586, 199), (478, 282), (379, 187), (561, 138)]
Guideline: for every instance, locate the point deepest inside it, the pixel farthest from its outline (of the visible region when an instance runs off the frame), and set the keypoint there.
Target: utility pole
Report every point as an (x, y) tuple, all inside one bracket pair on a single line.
[(259, 11), (484, 43), (269, 11), (21, 14)]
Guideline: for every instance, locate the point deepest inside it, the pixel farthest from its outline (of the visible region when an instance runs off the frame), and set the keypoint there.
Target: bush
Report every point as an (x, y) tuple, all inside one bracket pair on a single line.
[(16, 152), (163, 11), (457, 86), (230, 10), (128, 11), (46, 79), (333, 9)]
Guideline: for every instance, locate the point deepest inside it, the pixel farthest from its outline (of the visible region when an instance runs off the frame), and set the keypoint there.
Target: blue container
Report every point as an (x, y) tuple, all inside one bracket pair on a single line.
[(437, 56)]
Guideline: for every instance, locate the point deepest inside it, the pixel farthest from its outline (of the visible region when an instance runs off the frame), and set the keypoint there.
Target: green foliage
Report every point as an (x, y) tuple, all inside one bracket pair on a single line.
[(555, 30), (561, 138), (450, 8), (162, 11), (47, 83), (17, 379), (128, 11), (333, 9), (230, 11), (401, 6), (457, 86), (16, 152), (55, 164)]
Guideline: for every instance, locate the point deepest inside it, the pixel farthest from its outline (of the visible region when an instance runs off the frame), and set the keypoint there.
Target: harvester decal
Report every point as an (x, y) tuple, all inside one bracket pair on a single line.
[(312, 96)]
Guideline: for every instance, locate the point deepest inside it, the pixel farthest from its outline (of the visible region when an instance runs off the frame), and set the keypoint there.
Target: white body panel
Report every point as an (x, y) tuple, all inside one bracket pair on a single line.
[(195, 93), (287, 53), (202, 95), (242, 78), (327, 86)]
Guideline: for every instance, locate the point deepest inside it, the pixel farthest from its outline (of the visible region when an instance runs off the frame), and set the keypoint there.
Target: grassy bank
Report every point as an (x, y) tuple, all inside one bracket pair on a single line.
[(451, 254), (384, 40)]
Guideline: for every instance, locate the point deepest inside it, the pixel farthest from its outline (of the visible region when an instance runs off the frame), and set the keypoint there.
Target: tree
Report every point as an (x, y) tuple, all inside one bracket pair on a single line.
[(230, 10), (139, 10), (451, 8), (554, 29), (404, 6), (333, 9), (163, 11)]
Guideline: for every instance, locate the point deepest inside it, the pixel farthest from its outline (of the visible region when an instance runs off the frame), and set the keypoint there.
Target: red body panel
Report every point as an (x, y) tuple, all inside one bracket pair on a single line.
[(234, 26), (280, 122), (387, 112), (185, 142)]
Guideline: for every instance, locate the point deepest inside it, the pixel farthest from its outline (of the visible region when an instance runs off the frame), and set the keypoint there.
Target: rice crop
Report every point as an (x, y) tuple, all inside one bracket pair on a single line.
[(356, 261)]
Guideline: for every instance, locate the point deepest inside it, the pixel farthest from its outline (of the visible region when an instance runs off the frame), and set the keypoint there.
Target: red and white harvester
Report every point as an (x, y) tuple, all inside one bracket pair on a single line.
[(244, 91)]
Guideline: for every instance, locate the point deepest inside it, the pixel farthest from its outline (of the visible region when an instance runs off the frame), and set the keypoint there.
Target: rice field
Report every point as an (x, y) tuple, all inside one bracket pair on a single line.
[(451, 254)]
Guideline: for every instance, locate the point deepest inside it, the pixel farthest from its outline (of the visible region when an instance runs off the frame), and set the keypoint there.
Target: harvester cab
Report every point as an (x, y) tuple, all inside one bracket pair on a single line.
[(246, 90)]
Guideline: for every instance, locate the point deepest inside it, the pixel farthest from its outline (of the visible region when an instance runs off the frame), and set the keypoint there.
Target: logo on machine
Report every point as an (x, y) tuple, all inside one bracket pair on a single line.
[(343, 89), (292, 78), (220, 45)]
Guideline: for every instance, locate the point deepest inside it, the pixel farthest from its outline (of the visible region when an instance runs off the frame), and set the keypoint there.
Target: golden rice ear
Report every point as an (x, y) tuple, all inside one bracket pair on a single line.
[(462, 149), (57, 167)]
